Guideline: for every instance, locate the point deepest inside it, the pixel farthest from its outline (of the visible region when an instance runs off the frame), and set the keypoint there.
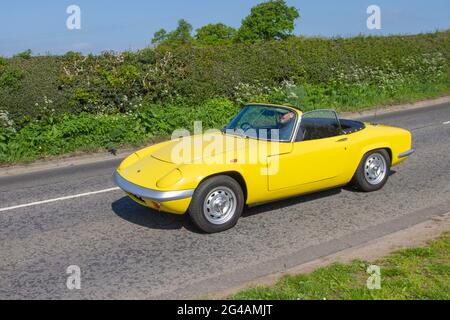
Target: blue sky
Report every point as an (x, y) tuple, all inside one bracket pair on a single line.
[(123, 25)]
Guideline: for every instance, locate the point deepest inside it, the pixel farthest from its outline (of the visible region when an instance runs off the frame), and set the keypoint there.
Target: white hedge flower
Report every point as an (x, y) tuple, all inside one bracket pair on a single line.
[(5, 121)]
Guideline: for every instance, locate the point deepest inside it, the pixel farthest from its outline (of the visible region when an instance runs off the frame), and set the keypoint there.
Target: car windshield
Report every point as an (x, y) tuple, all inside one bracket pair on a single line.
[(264, 123)]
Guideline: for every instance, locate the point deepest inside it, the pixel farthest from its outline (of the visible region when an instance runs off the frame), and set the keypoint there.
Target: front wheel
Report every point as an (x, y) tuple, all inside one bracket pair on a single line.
[(217, 204), (373, 171)]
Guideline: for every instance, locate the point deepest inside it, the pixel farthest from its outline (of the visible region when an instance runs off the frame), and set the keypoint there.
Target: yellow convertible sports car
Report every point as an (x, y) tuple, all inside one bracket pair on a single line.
[(267, 153)]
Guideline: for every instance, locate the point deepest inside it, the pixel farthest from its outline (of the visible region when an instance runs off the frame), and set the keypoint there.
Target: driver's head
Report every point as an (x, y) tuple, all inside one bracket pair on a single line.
[(287, 117)]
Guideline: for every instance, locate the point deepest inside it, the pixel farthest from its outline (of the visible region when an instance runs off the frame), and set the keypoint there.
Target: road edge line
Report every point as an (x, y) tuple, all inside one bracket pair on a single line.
[(48, 201)]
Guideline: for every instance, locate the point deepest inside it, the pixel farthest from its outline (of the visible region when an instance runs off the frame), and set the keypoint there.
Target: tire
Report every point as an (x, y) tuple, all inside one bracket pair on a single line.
[(373, 171), (217, 204)]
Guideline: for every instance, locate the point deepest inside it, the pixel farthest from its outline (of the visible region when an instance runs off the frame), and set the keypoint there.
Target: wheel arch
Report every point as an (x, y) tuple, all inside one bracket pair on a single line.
[(389, 151), (375, 147), (368, 149), (234, 175)]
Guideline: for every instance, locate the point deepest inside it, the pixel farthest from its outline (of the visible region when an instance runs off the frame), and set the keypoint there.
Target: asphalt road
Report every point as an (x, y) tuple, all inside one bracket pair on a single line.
[(127, 251)]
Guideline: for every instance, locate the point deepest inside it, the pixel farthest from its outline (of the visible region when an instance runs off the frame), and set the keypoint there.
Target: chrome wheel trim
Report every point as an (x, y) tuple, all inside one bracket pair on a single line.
[(220, 205), (375, 169)]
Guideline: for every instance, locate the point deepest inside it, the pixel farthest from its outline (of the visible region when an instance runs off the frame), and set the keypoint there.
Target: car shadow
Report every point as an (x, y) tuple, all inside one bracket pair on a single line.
[(352, 189), (280, 204), (130, 211)]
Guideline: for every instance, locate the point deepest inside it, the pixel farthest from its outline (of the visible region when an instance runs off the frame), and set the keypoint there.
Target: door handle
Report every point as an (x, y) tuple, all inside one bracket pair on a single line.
[(342, 140)]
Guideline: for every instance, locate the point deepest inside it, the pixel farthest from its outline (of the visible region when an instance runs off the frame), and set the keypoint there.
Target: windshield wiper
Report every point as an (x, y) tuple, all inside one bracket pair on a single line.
[(242, 134)]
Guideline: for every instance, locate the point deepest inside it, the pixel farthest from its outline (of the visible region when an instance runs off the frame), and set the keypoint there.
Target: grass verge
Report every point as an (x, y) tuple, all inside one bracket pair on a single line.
[(409, 274)]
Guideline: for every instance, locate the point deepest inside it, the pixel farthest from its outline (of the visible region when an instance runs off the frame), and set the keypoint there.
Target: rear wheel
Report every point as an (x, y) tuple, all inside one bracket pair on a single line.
[(373, 171), (217, 204)]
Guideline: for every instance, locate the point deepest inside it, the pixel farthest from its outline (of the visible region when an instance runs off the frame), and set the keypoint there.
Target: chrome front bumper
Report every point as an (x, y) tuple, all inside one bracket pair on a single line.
[(155, 195), (406, 154)]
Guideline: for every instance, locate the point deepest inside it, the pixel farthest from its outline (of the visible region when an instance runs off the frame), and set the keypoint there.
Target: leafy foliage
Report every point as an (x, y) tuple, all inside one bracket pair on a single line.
[(24, 55), (271, 20), (55, 135), (189, 75), (182, 35), (160, 36), (10, 76), (213, 34), (59, 104)]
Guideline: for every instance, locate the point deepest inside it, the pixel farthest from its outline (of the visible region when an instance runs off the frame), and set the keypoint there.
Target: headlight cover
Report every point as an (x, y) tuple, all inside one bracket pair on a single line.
[(170, 179), (129, 161)]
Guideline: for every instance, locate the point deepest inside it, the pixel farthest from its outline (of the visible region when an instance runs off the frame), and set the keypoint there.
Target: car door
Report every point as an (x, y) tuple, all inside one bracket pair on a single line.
[(318, 153)]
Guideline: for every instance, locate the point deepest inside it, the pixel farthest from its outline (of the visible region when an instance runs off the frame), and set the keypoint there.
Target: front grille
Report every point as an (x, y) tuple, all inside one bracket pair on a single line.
[(137, 198)]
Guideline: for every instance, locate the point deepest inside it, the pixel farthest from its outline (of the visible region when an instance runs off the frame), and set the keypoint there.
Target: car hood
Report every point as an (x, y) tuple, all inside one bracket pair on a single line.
[(147, 166), (182, 151)]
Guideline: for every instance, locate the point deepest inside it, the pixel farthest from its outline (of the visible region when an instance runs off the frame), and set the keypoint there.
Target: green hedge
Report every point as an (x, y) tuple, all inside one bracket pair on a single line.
[(113, 82), (57, 135), (50, 105)]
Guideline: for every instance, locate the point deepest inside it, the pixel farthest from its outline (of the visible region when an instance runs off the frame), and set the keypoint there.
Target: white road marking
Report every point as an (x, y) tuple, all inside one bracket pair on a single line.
[(59, 199), (448, 122)]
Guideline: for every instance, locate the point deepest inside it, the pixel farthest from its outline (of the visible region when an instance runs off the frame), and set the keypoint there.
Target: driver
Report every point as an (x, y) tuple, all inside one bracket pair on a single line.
[(287, 117), (286, 124)]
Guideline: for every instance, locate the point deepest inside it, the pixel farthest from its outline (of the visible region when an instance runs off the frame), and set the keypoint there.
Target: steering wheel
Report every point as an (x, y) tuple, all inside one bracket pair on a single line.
[(246, 126)]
